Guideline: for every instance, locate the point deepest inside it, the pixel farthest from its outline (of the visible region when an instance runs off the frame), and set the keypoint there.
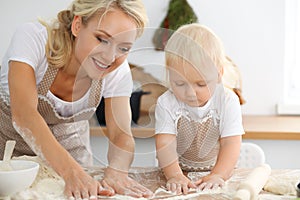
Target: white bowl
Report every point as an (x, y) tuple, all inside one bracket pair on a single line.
[(20, 178)]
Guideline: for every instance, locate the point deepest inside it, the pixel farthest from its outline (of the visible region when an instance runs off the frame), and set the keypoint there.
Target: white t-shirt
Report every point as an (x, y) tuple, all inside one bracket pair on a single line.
[(28, 46), (223, 101)]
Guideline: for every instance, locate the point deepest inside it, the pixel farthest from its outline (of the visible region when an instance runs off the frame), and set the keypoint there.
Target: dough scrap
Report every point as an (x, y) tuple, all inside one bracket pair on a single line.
[(283, 184)]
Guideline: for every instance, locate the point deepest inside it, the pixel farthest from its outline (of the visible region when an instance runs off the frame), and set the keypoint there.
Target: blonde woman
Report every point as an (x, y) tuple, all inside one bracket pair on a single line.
[(52, 79), (198, 120)]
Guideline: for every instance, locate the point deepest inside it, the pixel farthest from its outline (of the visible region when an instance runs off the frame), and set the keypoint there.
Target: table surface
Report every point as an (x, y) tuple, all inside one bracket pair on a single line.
[(153, 178)]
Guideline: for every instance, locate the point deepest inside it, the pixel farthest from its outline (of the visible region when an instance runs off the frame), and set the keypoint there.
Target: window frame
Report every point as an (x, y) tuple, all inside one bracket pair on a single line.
[(290, 104)]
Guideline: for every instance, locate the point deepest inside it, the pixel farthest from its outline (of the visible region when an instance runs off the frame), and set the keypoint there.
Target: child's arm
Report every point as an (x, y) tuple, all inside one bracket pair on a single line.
[(227, 159), (168, 161)]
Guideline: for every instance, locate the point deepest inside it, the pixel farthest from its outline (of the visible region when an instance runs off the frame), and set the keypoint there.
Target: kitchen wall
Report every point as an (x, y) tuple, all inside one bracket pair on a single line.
[(252, 32), (253, 35)]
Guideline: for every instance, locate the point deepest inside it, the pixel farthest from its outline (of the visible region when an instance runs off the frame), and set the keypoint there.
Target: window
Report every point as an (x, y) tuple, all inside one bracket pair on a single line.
[(291, 99)]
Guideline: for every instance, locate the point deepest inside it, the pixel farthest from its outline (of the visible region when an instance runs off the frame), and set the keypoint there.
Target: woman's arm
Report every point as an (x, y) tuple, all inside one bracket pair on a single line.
[(121, 148), (24, 100), (34, 130)]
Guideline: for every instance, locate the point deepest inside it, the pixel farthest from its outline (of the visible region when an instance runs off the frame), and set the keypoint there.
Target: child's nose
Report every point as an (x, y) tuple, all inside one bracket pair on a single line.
[(190, 91)]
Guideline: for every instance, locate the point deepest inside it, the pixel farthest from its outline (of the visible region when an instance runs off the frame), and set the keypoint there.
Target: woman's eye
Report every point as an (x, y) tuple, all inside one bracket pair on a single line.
[(124, 49), (102, 40)]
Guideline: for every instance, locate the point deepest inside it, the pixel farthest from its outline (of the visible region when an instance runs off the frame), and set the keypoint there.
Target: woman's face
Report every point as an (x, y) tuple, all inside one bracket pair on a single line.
[(190, 86), (103, 44)]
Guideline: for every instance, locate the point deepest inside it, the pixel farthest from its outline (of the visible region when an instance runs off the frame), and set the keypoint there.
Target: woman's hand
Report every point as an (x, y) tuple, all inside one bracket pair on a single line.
[(124, 185), (79, 185), (211, 181), (179, 184)]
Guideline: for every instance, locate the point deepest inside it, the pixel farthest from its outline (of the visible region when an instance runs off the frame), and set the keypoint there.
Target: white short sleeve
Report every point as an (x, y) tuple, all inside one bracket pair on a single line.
[(231, 118), (118, 82), (28, 46), (165, 113)]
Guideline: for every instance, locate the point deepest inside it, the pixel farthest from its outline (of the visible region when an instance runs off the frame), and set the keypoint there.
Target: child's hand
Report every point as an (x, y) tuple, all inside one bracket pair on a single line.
[(179, 184), (211, 181)]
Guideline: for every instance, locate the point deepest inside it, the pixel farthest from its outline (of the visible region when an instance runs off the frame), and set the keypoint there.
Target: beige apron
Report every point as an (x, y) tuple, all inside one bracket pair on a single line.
[(71, 132), (198, 141)]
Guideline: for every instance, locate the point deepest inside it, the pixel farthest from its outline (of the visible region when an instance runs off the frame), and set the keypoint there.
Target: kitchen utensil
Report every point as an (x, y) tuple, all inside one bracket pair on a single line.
[(9, 148)]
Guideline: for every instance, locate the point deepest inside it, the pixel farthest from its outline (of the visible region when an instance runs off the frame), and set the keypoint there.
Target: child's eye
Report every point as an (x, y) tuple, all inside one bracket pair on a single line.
[(179, 83), (102, 40), (201, 84)]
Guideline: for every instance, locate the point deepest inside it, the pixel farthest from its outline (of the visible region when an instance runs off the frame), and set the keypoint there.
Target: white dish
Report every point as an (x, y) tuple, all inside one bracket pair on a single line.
[(21, 177)]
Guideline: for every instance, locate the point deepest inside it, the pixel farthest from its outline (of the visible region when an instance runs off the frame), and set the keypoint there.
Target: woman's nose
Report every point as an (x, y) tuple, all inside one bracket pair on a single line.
[(109, 55)]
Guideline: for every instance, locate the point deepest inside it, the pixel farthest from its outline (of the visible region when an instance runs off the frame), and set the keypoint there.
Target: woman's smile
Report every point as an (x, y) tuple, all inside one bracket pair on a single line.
[(100, 66)]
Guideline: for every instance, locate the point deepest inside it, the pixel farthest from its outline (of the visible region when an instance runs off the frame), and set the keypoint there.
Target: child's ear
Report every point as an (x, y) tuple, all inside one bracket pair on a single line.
[(220, 74), (76, 25)]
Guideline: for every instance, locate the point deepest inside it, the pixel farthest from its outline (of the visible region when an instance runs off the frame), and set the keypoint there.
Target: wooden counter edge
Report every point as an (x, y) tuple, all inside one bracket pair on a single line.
[(149, 132), (256, 127)]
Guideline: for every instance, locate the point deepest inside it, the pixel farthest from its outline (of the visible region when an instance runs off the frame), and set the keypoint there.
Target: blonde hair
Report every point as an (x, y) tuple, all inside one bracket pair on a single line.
[(59, 46), (197, 45)]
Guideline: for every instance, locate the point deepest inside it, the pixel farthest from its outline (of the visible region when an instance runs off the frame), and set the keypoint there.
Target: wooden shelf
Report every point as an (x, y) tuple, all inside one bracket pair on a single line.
[(272, 127), (256, 127)]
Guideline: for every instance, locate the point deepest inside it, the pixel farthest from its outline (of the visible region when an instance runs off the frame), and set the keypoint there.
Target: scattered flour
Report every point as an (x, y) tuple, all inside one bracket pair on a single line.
[(48, 185)]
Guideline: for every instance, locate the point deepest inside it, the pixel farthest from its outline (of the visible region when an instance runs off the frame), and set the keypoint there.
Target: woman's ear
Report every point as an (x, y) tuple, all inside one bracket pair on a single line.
[(76, 25)]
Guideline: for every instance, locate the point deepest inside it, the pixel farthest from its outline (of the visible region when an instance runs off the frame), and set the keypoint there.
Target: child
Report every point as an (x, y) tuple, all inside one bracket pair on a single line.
[(198, 121)]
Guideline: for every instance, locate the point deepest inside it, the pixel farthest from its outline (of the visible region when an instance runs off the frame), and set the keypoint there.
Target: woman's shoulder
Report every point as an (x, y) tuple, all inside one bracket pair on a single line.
[(33, 33), (32, 27)]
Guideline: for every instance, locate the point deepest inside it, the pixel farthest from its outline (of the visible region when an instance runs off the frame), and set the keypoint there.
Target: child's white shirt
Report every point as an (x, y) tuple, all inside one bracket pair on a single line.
[(224, 101)]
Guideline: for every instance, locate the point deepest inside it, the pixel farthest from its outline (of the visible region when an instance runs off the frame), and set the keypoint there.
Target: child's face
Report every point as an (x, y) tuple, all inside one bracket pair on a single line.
[(190, 86)]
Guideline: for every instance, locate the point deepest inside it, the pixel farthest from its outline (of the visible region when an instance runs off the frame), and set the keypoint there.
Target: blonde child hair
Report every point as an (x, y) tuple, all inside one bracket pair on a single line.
[(60, 39), (197, 45)]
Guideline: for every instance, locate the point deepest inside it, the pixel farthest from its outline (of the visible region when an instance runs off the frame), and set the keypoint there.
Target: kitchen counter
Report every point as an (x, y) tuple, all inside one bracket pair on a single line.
[(153, 179), (256, 127)]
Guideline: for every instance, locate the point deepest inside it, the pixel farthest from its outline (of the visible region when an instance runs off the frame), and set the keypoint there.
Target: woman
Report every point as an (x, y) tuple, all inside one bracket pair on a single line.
[(52, 79)]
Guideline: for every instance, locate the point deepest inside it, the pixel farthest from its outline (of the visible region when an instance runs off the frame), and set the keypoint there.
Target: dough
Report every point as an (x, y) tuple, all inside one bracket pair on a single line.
[(50, 187), (283, 184)]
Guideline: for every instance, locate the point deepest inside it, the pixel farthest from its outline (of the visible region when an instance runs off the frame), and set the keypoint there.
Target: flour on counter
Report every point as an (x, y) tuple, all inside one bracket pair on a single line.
[(48, 185)]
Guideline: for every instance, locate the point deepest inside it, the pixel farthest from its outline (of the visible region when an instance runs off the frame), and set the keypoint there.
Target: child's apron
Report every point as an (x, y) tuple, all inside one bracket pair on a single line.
[(198, 141), (71, 132)]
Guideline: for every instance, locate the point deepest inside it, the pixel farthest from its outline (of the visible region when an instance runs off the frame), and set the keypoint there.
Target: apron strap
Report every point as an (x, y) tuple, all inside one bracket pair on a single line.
[(47, 80)]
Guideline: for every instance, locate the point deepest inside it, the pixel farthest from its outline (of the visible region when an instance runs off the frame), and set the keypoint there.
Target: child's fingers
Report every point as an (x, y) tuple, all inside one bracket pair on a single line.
[(192, 185), (202, 185), (198, 182), (185, 188)]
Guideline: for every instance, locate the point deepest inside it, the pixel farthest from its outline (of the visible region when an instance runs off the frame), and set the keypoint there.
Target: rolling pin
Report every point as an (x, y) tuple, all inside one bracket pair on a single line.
[(253, 184)]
